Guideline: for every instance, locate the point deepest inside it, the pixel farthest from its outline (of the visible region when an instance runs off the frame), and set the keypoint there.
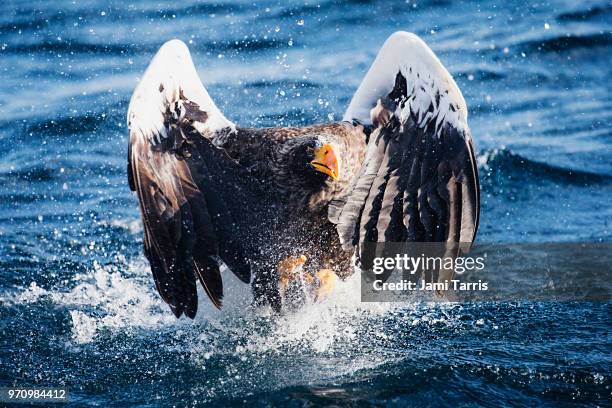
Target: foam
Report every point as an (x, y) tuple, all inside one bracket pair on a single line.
[(133, 226), (113, 299)]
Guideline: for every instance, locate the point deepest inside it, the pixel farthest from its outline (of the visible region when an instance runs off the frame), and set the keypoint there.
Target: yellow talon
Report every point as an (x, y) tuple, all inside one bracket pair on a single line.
[(322, 284), (327, 283), (287, 269)]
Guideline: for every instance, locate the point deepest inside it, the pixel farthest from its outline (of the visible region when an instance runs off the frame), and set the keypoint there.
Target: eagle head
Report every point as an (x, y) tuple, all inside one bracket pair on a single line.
[(309, 169), (313, 160)]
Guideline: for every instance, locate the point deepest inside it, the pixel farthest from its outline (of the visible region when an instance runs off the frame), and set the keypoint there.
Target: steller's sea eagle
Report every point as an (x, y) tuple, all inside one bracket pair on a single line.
[(400, 167)]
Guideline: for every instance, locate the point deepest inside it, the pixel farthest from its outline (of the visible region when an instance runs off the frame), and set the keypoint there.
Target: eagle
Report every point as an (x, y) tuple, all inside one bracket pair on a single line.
[(287, 204)]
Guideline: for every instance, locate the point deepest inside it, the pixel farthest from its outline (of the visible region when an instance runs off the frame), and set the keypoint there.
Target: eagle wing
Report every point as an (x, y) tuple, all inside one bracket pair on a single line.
[(419, 180), (187, 224)]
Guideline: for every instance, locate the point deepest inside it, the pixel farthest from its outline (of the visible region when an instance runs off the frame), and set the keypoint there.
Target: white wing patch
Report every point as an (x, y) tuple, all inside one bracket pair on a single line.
[(432, 92), (170, 79)]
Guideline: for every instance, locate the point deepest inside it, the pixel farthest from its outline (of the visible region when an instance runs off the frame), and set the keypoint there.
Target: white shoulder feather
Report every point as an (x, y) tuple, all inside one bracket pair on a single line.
[(170, 79), (428, 84)]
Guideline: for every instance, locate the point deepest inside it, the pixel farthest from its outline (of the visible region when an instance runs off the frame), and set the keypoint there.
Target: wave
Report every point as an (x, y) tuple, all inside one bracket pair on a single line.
[(250, 44), (481, 75), (68, 125), (113, 314), (25, 20), (30, 173), (585, 15), (558, 43), (496, 163), (80, 47), (121, 296), (75, 46), (563, 43), (281, 84)]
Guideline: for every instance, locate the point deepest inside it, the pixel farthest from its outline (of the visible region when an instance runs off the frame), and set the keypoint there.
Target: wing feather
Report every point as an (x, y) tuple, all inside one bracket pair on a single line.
[(419, 181), (183, 214)]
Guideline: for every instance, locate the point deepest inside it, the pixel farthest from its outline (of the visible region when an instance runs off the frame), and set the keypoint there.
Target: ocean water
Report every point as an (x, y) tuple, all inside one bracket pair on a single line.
[(78, 307)]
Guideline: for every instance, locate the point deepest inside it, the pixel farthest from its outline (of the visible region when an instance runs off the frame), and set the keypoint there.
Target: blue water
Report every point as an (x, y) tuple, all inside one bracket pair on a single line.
[(78, 307)]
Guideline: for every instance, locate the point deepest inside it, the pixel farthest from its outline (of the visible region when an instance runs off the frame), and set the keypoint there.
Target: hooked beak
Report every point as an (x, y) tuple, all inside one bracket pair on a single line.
[(325, 161)]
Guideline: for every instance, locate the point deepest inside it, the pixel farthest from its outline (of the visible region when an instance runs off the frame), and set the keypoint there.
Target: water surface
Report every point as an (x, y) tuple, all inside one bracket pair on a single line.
[(78, 304)]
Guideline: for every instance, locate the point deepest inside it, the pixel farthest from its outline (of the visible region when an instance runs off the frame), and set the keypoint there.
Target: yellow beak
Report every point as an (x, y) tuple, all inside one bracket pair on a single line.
[(325, 161)]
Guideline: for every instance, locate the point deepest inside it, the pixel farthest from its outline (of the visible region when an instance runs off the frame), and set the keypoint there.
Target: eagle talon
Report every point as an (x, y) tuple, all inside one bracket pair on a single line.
[(326, 284), (289, 269), (320, 285)]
